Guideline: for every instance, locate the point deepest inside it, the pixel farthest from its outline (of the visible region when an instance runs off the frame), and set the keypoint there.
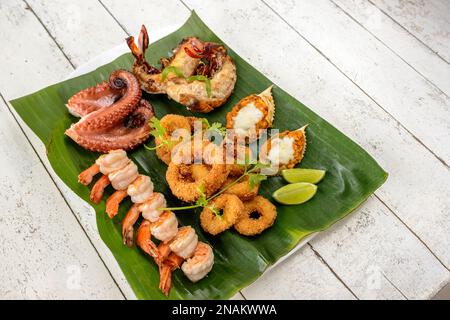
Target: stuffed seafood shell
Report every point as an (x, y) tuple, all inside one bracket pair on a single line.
[(283, 151), (252, 114)]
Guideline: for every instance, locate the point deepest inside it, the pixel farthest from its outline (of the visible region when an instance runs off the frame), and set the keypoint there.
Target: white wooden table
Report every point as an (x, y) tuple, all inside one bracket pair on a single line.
[(379, 70)]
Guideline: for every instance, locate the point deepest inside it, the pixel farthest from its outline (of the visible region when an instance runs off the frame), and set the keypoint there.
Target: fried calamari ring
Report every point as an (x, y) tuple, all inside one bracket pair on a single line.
[(235, 157), (241, 189), (229, 205), (179, 173), (265, 212), (176, 127)]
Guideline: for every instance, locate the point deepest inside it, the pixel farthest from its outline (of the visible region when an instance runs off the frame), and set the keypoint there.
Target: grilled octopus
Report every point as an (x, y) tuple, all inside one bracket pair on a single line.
[(113, 115), (192, 57)]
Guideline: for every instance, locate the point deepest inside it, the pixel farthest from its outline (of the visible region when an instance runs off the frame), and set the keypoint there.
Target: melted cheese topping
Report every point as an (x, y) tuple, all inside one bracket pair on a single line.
[(281, 151), (247, 118)]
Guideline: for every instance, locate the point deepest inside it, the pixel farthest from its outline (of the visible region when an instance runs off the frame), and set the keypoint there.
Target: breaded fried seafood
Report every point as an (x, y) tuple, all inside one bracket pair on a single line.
[(227, 208), (252, 114), (179, 173), (177, 129), (258, 215), (283, 151)]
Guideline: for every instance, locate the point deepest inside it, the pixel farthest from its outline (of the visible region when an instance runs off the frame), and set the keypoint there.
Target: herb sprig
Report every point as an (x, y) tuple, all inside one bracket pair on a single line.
[(251, 171)]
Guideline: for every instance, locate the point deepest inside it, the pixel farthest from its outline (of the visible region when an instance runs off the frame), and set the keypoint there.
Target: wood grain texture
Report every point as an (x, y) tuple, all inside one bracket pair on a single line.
[(317, 83), (401, 158), (428, 20), (395, 86), (45, 254), (349, 247), (329, 286), (405, 45), (49, 65), (72, 25)]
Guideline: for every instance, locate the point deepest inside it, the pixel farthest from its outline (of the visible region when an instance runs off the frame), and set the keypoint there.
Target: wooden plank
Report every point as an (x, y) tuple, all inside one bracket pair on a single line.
[(428, 20), (131, 19), (22, 73), (155, 14), (76, 23), (302, 276), (407, 203), (394, 85), (410, 49), (82, 210), (312, 79), (45, 253)]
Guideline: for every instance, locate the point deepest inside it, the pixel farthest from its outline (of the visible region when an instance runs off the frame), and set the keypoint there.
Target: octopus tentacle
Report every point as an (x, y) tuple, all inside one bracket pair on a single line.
[(114, 115), (133, 131)]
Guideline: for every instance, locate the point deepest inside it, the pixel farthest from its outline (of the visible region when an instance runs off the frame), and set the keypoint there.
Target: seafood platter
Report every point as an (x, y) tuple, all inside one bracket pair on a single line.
[(202, 172)]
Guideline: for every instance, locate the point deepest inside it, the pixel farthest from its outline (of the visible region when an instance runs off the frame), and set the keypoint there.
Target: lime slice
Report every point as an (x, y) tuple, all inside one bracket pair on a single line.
[(295, 193), (303, 175)]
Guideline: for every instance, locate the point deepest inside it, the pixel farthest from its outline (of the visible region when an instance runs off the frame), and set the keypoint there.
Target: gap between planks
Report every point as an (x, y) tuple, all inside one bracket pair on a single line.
[(127, 32), (358, 86), (321, 259), (409, 32), (389, 48), (65, 200), (400, 124)]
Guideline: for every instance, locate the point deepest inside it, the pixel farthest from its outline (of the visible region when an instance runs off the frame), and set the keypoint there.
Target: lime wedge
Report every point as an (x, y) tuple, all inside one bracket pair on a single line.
[(295, 193), (303, 175)]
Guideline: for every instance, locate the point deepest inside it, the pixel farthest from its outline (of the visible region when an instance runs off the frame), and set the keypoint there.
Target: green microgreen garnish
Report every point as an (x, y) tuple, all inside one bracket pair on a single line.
[(215, 126), (159, 132)]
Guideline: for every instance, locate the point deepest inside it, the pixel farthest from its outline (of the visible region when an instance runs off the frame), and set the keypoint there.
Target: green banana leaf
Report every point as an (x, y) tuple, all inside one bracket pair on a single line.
[(352, 175)]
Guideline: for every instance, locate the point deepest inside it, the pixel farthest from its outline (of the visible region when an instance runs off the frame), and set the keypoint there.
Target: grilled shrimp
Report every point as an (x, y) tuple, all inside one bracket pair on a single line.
[(122, 178), (113, 202), (166, 227), (198, 266), (149, 208), (87, 175), (185, 242), (99, 188), (141, 189), (112, 161)]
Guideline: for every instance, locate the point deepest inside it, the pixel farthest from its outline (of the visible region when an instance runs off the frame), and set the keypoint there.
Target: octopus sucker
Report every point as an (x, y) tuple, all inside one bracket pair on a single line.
[(200, 86), (252, 114), (113, 115)]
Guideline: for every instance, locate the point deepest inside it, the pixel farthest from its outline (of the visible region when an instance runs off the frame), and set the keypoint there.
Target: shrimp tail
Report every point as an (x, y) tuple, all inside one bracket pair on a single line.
[(87, 175), (113, 202), (128, 227), (143, 240), (165, 278), (139, 51), (172, 263), (99, 188)]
